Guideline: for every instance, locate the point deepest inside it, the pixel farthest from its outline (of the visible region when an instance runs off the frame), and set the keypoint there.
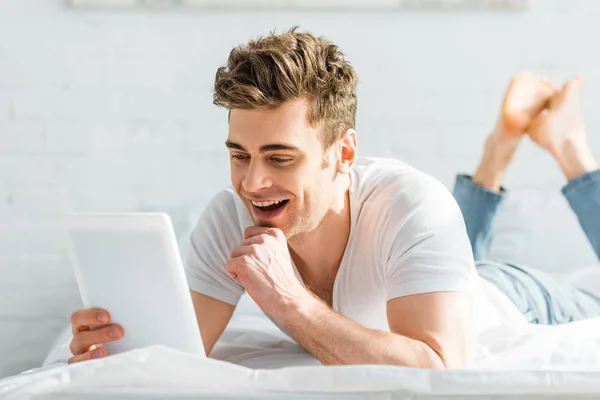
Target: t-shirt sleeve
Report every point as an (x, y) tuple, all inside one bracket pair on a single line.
[(429, 250), (215, 235)]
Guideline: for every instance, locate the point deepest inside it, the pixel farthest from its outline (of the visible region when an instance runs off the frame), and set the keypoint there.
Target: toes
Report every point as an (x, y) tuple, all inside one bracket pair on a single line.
[(550, 86), (574, 84)]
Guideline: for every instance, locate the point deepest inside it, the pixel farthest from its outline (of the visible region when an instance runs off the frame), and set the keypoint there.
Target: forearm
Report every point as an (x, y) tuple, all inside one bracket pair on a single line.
[(336, 340)]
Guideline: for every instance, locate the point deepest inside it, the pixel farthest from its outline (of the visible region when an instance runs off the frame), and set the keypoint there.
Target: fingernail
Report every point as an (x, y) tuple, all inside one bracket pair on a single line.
[(102, 317), (97, 354), (114, 333)]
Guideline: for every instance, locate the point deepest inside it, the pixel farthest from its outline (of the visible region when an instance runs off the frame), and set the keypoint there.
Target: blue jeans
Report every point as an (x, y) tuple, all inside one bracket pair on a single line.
[(540, 297)]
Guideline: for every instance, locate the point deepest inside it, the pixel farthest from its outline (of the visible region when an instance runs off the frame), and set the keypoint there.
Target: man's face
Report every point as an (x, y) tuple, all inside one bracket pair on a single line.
[(277, 167)]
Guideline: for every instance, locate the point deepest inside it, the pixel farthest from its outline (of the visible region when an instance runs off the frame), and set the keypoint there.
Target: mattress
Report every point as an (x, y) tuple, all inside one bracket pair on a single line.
[(254, 359)]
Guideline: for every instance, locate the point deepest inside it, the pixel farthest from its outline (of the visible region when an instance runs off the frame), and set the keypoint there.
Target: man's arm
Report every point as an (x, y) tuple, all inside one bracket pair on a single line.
[(432, 330), (213, 316)]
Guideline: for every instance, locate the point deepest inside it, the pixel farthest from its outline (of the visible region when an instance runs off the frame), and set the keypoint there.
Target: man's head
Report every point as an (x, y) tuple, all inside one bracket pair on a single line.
[(292, 102)]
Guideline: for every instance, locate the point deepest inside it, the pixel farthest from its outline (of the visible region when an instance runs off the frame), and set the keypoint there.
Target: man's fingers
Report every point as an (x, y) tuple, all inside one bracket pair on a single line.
[(82, 320), (237, 266), (259, 239), (95, 352), (240, 251), (251, 249), (252, 231), (232, 268), (82, 341)]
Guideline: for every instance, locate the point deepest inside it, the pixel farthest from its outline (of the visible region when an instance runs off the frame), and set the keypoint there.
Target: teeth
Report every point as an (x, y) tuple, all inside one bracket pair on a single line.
[(265, 203)]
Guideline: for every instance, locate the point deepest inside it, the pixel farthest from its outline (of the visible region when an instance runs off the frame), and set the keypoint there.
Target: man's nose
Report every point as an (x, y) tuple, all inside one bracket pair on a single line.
[(257, 178)]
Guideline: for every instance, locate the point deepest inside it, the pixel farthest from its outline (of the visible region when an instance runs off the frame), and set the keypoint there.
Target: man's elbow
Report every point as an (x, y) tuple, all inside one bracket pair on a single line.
[(443, 357), (436, 359), (423, 357)]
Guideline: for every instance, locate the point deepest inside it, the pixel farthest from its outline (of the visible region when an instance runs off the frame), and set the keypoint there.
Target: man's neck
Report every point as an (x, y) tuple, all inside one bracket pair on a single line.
[(318, 254)]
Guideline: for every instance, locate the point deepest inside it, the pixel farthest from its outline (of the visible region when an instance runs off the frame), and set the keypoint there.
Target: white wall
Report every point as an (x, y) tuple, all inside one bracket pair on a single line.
[(104, 111)]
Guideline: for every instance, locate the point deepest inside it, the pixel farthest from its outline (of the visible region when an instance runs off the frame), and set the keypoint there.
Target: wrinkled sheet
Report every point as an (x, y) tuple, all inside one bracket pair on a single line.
[(256, 360)]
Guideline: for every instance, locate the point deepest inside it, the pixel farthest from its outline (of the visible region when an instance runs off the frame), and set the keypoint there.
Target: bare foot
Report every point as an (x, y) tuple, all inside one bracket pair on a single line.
[(561, 131), (526, 97)]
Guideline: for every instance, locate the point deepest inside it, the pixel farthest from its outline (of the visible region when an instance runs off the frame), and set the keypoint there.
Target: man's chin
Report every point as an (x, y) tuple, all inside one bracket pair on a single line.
[(264, 224), (268, 224)]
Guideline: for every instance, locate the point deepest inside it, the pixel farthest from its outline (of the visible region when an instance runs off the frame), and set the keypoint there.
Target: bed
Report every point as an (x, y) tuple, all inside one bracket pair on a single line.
[(253, 359)]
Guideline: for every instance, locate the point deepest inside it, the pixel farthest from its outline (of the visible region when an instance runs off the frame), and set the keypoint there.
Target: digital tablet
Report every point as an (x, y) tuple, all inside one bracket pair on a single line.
[(129, 264)]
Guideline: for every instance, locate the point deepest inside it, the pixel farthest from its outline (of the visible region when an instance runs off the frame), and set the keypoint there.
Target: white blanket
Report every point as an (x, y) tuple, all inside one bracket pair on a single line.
[(537, 360)]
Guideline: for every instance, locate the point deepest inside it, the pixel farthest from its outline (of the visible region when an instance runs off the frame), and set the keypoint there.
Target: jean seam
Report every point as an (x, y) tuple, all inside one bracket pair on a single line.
[(581, 182), (466, 181)]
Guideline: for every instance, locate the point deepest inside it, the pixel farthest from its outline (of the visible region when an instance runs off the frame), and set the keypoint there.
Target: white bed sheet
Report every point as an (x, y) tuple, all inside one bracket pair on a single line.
[(256, 360)]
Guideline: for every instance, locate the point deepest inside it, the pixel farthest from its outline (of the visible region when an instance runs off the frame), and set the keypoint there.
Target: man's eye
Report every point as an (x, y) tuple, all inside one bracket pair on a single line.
[(239, 156), (280, 160)]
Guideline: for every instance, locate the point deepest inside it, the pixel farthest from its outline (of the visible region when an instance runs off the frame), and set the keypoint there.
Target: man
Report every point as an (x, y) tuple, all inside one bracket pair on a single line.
[(360, 260)]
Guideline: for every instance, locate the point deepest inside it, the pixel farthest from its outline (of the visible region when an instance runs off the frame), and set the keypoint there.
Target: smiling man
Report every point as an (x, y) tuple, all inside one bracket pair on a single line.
[(360, 260)]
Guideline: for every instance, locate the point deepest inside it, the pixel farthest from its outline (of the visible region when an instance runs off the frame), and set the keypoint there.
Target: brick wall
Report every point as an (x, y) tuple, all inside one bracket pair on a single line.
[(111, 111)]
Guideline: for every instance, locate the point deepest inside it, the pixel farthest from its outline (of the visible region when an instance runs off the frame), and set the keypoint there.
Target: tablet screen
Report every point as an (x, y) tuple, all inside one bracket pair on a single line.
[(134, 274)]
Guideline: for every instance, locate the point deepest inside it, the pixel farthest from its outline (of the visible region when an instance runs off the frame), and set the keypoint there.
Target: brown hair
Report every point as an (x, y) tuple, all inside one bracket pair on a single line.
[(269, 71)]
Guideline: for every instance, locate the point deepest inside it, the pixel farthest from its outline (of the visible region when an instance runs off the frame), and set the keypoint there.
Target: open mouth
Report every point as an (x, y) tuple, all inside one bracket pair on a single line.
[(269, 205)]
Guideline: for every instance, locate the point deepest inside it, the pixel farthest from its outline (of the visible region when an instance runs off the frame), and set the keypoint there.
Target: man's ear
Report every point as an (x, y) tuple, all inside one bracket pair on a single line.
[(347, 151)]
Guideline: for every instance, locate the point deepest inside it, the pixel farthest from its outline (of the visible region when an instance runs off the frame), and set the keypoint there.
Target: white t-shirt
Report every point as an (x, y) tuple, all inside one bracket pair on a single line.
[(407, 236)]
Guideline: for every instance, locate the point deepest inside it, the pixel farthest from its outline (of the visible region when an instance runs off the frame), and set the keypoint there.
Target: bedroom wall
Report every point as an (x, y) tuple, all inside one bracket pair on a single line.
[(111, 111)]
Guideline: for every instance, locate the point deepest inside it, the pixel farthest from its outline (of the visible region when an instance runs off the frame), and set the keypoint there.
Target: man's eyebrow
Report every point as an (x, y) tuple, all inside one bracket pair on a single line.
[(265, 148), (234, 145), (277, 146)]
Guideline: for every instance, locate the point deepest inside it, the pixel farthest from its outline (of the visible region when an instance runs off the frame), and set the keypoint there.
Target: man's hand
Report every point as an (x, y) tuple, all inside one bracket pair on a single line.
[(263, 266), (86, 343)]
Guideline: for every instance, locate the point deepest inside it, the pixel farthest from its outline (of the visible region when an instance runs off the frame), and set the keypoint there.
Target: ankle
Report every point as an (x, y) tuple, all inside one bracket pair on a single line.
[(499, 150), (575, 158), (492, 166), (488, 178)]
